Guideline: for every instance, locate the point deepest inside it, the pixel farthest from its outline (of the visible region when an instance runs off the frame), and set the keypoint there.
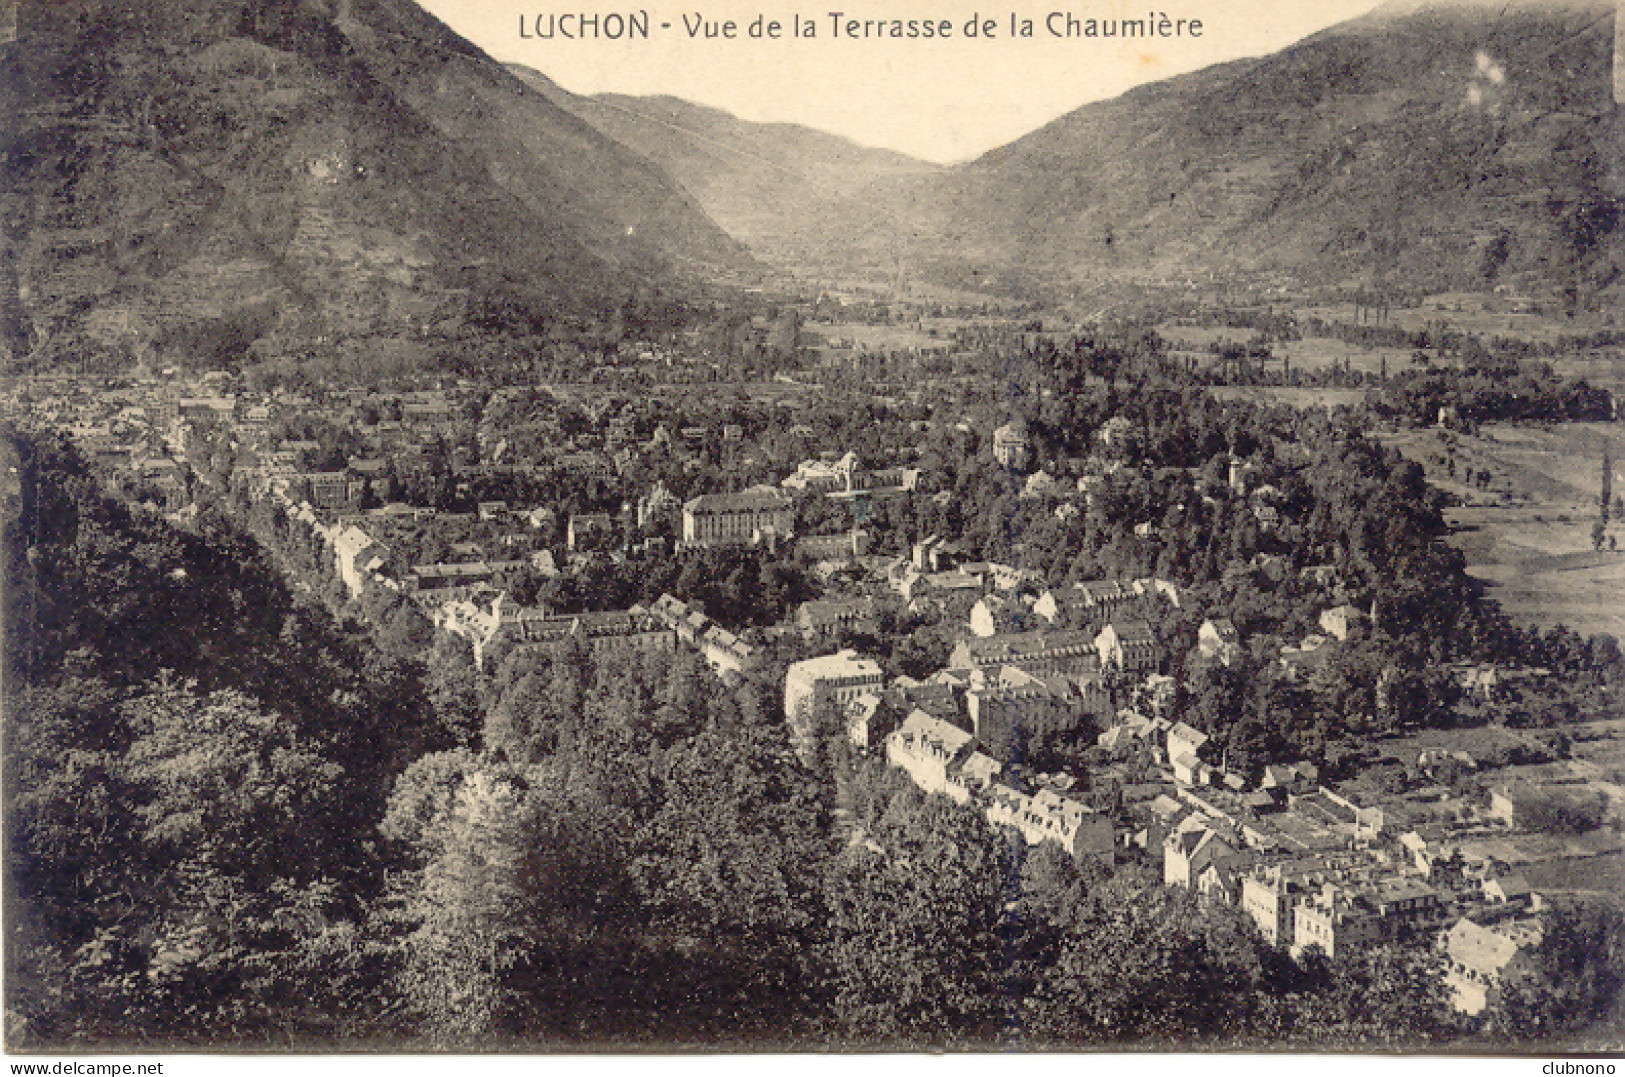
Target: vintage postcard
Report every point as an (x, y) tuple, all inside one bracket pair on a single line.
[(974, 526)]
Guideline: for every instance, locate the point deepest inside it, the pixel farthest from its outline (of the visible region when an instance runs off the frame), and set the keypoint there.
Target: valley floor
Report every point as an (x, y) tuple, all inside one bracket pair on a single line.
[(1527, 532)]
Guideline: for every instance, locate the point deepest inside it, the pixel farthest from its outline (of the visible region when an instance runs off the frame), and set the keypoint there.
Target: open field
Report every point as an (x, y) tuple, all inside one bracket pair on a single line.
[(1597, 877), (1478, 741), (1482, 316), (1527, 533), (1604, 368), (1199, 338), (1581, 589), (1319, 353), (1564, 866), (876, 337), (1304, 399)]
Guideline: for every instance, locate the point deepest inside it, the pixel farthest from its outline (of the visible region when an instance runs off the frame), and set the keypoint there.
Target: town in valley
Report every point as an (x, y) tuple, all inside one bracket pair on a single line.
[(848, 651)]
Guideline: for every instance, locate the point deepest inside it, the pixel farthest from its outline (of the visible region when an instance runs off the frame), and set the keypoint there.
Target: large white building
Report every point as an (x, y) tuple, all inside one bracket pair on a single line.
[(357, 555), (1011, 446), (832, 680), (823, 476), (925, 748), (741, 519), (1481, 958), (1047, 816)]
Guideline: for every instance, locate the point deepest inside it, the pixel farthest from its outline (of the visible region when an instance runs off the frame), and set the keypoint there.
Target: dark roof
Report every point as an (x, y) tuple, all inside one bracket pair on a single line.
[(1132, 632), (744, 501)]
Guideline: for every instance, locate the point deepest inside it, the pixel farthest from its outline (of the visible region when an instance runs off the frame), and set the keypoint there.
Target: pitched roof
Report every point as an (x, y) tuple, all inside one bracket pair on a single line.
[(756, 499), (978, 768), (1131, 632), (1013, 647), (1190, 735), (1094, 591), (842, 664), (1012, 430), (1509, 886), (1279, 774), (921, 731), (1166, 807)]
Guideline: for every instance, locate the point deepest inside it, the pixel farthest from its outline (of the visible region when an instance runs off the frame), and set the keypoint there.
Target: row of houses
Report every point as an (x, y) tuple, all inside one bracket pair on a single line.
[(939, 757), (724, 651), (1343, 900), (947, 733), (458, 599), (497, 628), (495, 625), (605, 636), (1314, 867)]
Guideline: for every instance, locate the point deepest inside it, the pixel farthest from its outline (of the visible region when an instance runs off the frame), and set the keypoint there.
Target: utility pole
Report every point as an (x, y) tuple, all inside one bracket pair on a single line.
[(1616, 128)]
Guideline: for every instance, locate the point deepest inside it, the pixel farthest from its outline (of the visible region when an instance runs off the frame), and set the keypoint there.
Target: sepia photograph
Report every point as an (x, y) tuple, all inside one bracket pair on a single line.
[(985, 530)]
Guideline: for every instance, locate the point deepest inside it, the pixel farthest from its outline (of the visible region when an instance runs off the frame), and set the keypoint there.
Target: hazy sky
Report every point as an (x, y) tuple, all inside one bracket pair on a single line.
[(943, 100)]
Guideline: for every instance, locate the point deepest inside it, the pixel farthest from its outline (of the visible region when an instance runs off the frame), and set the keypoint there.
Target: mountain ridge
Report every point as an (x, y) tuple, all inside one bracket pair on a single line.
[(1445, 147), (768, 185), (1418, 147), (219, 175)]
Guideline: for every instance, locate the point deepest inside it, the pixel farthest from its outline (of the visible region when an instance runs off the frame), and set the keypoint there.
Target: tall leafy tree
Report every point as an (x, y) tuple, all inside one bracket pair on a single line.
[(918, 931), (470, 910)]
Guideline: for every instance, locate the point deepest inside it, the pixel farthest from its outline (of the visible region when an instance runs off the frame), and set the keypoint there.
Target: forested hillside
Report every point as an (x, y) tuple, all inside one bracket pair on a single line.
[(772, 186), (1424, 147), (199, 178), (196, 768)]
